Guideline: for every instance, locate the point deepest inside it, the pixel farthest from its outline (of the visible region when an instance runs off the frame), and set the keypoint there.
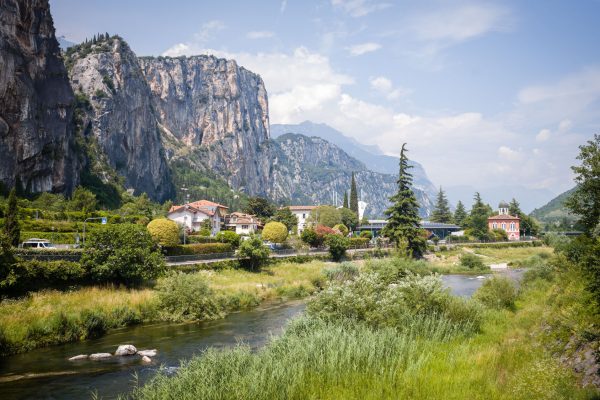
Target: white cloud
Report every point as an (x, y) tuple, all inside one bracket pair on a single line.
[(359, 8), (206, 33), (508, 154), (385, 87), (543, 135), (260, 34), (363, 48)]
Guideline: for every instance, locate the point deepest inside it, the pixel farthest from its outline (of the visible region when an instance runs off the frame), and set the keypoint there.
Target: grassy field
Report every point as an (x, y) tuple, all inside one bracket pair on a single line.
[(507, 358)]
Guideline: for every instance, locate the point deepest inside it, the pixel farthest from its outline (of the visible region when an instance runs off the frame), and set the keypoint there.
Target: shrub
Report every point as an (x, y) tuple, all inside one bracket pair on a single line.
[(310, 237), (252, 253), (275, 232), (229, 237), (164, 231), (366, 234), (201, 239), (122, 254), (185, 297), (337, 246), (498, 292), (7, 258), (498, 235), (198, 248), (342, 229), (471, 261), (358, 241), (323, 231), (31, 275), (343, 272)]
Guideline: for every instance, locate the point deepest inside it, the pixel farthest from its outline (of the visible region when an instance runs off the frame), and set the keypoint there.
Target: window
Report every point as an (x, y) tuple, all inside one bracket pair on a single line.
[(504, 225), (512, 226), (303, 216), (244, 226), (494, 225)]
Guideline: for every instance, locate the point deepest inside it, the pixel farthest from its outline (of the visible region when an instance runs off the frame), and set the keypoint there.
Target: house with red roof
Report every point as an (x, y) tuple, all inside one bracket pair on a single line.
[(192, 215), (508, 223), (242, 224)]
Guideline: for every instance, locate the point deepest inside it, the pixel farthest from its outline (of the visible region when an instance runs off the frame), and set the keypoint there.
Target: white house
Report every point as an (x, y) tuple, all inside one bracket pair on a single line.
[(193, 215), (243, 224), (302, 212)]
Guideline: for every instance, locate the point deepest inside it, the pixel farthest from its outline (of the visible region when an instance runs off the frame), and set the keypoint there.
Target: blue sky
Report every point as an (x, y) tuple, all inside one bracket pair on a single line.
[(483, 92)]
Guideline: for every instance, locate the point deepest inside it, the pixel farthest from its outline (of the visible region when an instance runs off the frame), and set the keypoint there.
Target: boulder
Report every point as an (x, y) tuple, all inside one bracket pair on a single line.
[(79, 357), (147, 353), (126, 350), (100, 356), (146, 359)]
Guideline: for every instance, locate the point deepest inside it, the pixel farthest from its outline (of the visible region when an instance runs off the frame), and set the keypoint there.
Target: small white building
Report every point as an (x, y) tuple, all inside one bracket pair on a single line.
[(302, 213), (243, 224), (193, 215)]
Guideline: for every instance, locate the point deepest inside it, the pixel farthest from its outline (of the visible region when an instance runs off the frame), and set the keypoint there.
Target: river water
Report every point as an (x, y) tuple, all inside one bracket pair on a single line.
[(47, 374)]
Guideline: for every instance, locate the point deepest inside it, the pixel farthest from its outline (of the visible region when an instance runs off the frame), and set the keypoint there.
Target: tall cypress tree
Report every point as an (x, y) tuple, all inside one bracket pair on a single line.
[(353, 196), (403, 225), (460, 214), (11, 222), (345, 204), (441, 212), (514, 208), (478, 218)]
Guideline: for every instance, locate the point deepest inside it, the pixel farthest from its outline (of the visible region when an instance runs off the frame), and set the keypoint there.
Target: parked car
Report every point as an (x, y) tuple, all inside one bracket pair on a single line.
[(34, 243)]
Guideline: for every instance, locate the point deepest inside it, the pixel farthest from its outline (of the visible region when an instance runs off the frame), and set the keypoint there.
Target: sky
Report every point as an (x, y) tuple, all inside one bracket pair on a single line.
[(482, 92)]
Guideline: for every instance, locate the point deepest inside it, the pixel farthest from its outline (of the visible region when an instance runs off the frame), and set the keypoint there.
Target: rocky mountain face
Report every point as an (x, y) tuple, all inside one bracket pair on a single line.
[(120, 116), (309, 170), (217, 108), (36, 139)]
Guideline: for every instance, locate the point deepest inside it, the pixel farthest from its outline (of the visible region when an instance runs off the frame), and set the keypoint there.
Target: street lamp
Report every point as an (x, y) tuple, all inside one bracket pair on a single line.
[(184, 226)]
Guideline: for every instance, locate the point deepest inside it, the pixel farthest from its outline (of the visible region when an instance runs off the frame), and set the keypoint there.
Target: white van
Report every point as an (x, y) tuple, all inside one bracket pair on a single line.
[(34, 243)]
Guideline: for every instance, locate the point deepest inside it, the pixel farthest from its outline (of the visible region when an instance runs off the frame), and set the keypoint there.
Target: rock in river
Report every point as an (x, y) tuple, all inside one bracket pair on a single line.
[(100, 356), (79, 357), (146, 359), (147, 353), (126, 350)]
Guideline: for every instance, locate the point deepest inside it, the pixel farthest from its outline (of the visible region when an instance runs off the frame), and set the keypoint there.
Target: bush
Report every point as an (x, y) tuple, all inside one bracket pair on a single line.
[(229, 237), (337, 246), (323, 231), (275, 232), (310, 237), (164, 231), (185, 297), (498, 292), (342, 228), (122, 254), (25, 276), (201, 239), (471, 261), (358, 241), (498, 235), (366, 234), (252, 253), (198, 248), (343, 272)]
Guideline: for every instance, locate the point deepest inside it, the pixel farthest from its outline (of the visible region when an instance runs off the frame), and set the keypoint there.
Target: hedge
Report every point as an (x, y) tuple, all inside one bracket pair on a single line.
[(199, 248), (535, 243), (201, 239), (33, 251), (358, 242), (31, 275), (54, 237)]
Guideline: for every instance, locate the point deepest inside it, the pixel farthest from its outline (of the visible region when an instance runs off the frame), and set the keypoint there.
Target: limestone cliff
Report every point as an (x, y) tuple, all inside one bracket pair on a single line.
[(36, 140), (309, 170), (120, 118), (215, 114)]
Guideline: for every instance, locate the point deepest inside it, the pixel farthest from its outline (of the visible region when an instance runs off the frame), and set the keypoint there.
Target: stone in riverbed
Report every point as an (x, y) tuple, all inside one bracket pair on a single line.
[(148, 353), (79, 357), (100, 356), (126, 350), (146, 359)]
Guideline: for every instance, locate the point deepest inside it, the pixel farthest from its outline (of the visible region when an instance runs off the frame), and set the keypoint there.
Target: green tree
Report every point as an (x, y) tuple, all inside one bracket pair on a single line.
[(6, 257), (345, 204), (478, 218), (337, 246), (252, 253), (310, 237), (441, 212), (229, 237), (342, 228), (82, 200), (528, 224), (325, 215), (122, 253), (585, 200), (260, 207), (514, 208), (349, 218), (275, 232), (353, 195), (164, 231), (286, 217), (460, 214), (403, 226), (12, 228)]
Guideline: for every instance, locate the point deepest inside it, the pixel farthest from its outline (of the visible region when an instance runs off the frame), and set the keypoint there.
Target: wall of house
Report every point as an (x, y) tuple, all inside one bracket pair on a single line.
[(302, 217), (505, 225)]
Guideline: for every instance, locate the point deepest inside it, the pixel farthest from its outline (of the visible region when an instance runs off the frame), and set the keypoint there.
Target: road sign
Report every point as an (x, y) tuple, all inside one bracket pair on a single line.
[(103, 220)]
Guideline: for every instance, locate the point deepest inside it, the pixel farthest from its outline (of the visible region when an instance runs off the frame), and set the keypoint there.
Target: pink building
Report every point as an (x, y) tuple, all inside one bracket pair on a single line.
[(508, 223)]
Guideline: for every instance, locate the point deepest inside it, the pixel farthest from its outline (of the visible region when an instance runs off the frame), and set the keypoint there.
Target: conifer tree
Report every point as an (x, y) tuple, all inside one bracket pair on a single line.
[(441, 212), (403, 226), (478, 218), (460, 214), (345, 204), (514, 208), (353, 195), (11, 222)]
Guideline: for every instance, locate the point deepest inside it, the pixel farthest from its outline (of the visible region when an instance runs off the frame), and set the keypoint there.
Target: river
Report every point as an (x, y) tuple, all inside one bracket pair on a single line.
[(47, 374)]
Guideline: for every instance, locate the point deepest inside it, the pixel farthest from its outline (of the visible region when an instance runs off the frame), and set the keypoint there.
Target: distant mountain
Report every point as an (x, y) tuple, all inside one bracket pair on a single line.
[(527, 198), (64, 43), (311, 170), (555, 211), (370, 155)]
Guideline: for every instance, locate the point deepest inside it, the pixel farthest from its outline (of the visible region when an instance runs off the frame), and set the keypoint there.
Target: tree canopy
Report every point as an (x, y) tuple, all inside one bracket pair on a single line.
[(478, 218), (441, 212), (460, 215), (325, 215), (353, 195), (260, 207), (286, 217)]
